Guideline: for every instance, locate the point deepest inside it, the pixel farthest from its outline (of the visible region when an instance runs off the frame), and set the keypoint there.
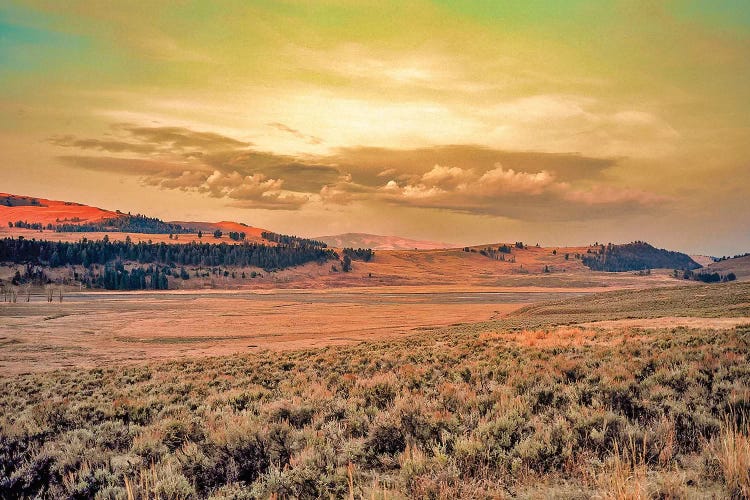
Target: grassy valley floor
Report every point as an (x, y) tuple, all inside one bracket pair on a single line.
[(528, 405)]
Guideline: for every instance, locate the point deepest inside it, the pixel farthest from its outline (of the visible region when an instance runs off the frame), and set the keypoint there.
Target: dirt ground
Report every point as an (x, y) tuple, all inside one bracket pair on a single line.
[(95, 329)]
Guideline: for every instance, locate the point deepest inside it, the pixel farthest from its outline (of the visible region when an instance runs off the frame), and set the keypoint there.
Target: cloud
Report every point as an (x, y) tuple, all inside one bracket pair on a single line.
[(180, 138), (129, 138), (515, 194), (499, 181), (459, 178), (186, 180), (109, 146), (236, 186), (310, 139), (273, 201), (300, 174), (447, 176), (600, 194), (370, 165), (204, 162), (580, 123), (247, 191), (126, 166)]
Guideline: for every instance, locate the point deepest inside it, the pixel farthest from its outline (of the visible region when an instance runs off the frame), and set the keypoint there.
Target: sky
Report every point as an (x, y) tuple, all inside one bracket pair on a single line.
[(466, 122)]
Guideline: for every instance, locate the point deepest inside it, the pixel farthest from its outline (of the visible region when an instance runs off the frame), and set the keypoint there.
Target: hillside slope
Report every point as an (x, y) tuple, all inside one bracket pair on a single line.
[(15, 208), (378, 242), (536, 267), (73, 221), (740, 266), (252, 233)]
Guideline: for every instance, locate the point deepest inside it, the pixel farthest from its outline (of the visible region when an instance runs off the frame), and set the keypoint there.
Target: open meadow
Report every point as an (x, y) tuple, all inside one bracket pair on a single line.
[(555, 399), (98, 328)]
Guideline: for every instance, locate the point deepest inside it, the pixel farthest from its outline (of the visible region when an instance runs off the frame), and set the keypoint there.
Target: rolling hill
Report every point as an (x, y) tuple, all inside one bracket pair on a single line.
[(636, 256), (224, 226), (740, 266), (395, 263), (73, 221), (40, 210), (378, 242)]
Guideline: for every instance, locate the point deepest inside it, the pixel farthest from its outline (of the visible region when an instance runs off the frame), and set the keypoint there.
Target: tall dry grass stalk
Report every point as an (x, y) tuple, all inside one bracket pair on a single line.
[(624, 478), (732, 451)]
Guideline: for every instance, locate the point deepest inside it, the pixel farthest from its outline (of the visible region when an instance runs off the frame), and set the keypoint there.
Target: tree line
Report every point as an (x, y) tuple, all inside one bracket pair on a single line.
[(706, 277), (285, 239), (87, 252), (117, 277), (363, 254), (126, 223), (497, 253), (726, 257)]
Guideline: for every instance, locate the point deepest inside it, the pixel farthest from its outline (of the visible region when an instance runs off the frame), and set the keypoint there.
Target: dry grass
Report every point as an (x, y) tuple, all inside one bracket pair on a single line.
[(99, 329), (558, 337), (624, 477), (444, 415), (732, 451), (540, 412), (725, 300)]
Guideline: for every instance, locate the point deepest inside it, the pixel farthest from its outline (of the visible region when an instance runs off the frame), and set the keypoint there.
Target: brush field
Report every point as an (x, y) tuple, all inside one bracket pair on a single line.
[(532, 405)]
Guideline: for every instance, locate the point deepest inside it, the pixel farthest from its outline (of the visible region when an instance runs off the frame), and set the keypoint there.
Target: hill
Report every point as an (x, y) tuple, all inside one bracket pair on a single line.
[(703, 260), (636, 256), (70, 221), (224, 226), (15, 208), (378, 242), (396, 263), (740, 266)]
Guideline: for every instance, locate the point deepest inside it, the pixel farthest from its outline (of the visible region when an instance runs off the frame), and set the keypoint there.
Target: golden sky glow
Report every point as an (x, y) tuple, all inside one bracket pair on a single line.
[(467, 122)]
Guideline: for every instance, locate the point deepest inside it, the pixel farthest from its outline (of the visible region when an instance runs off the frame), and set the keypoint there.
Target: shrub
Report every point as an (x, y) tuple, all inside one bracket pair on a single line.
[(297, 414), (149, 445), (504, 432), (378, 391), (385, 438), (547, 449)]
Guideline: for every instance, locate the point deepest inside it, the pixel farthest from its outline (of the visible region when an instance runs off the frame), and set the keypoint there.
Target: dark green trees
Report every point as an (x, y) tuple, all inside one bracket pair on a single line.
[(346, 264), (87, 253), (364, 254)]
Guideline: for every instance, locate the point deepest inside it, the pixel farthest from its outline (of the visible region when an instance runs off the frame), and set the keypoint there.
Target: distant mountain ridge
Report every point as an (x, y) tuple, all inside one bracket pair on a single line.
[(379, 242)]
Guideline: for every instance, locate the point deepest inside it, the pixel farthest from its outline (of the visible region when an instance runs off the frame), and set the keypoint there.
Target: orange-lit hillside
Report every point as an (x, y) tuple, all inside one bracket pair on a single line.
[(29, 209)]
